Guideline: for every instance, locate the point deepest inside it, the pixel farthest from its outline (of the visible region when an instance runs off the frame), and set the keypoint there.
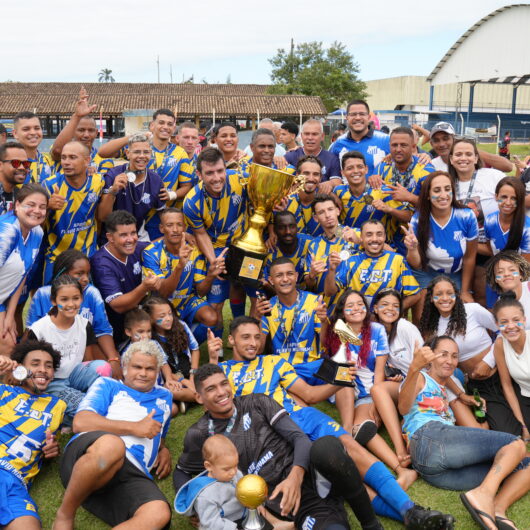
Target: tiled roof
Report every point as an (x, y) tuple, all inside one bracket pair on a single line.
[(188, 99)]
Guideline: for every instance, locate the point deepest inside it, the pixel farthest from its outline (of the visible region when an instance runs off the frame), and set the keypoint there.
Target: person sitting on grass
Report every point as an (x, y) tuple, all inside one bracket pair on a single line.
[(29, 419), (120, 431), (477, 461)]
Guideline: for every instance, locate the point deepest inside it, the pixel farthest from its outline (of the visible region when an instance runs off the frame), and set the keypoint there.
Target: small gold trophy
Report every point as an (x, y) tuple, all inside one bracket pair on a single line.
[(336, 370), (266, 187), (251, 492)]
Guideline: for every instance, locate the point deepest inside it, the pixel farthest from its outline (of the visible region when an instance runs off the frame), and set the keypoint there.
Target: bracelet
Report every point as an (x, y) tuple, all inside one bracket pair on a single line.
[(172, 195), (114, 359)]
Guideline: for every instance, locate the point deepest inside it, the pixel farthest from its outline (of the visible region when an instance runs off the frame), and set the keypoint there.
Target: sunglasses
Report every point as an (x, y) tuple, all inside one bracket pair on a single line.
[(26, 164), (468, 139)]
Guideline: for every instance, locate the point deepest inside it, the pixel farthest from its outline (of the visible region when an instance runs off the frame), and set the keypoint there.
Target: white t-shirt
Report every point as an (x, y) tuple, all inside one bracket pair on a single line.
[(70, 343), (403, 345), (476, 338), (482, 194), (519, 364), (525, 301), (439, 164)]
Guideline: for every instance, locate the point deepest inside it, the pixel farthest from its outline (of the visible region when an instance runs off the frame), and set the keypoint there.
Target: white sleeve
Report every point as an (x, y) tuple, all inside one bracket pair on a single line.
[(484, 317)]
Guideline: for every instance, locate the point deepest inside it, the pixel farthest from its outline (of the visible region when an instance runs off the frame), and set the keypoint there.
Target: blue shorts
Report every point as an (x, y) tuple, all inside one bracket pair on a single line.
[(366, 400), (316, 424), (188, 310), (306, 371), (425, 277), (220, 290), (14, 499)]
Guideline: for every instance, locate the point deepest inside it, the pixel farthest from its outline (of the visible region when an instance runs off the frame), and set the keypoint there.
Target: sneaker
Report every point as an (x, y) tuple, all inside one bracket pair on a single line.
[(419, 518), (364, 432)]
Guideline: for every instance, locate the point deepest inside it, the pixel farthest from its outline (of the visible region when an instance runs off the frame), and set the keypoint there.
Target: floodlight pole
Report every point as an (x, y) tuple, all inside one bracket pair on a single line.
[(498, 134)]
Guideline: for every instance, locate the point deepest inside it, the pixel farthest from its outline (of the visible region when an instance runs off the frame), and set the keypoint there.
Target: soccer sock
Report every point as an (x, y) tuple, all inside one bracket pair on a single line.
[(218, 332), (331, 460), (383, 482), (237, 307), (200, 331), (384, 509)]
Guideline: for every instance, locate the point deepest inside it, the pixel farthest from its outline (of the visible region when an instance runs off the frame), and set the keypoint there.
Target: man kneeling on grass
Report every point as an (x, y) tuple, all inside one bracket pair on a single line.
[(123, 424)]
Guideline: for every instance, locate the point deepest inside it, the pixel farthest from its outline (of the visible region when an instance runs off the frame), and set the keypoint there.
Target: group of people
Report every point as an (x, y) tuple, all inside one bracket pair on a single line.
[(118, 255)]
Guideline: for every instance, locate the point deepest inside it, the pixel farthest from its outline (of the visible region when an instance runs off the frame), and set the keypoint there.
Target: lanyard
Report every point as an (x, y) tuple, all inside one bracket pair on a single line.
[(470, 189), (229, 427)]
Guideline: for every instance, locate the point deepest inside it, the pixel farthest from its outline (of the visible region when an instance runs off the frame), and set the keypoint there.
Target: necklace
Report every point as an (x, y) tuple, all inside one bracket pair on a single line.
[(132, 189)]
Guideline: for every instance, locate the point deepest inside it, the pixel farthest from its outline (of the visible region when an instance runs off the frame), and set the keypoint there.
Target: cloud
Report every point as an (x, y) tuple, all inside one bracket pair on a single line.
[(61, 41)]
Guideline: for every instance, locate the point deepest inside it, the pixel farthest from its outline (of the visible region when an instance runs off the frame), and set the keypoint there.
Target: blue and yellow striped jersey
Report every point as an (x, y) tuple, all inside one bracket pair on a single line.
[(295, 330), (40, 169), (305, 221), (222, 217), (266, 374), (74, 226), (298, 257), (159, 261), (100, 165), (320, 248), (24, 418), (369, 275)]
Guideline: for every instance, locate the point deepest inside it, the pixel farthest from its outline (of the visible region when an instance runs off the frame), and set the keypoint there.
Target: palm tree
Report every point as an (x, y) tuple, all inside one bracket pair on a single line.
[(105, 76)]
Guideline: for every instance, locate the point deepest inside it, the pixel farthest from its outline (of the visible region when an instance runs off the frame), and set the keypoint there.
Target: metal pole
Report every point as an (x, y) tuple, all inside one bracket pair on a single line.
[(498, 134), (462, 126)]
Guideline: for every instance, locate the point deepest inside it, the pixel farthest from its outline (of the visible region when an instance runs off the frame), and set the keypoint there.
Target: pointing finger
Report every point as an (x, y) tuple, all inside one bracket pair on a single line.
[(223, 253)]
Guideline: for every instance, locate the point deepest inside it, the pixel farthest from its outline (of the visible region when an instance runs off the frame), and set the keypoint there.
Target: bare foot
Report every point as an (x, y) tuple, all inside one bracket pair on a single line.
[(406, 477), (482, 501), (63, 522)]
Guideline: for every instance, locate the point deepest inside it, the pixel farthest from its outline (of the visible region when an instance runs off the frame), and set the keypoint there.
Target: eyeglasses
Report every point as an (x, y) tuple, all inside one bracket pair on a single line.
[(468, 139), (355, 114), (26, 164)]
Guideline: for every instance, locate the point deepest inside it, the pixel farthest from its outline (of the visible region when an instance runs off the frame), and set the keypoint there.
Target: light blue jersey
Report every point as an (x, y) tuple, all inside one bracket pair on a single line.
[(92, 308), (115, 400), (498, 237), (447, 244)]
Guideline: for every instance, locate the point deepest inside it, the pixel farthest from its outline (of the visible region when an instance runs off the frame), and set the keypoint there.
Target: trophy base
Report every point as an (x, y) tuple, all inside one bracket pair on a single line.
[(335, 373), (245, 267), (253, 521)]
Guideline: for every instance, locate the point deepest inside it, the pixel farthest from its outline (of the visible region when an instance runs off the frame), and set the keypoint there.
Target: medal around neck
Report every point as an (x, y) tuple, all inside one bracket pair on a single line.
[(20, 373), (251, 492), (131, 176)]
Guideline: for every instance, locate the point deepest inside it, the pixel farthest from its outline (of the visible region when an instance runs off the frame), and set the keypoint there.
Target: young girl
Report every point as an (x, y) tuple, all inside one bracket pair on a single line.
[(180, 347), (74, 263), (73, 337), (509, 271), (512, 353), (403, 339), (370, 359)]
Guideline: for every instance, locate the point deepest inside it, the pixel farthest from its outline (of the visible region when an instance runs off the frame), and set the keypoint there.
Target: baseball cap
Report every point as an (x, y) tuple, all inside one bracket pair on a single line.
[(443, 126)]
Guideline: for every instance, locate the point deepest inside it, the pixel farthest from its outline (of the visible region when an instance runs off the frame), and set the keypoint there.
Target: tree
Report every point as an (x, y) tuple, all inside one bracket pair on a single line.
[(311, 70), (105, 76)]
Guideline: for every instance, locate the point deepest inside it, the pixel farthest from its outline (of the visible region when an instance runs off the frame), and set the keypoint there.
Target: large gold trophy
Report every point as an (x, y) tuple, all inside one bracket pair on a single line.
[(266, 187), (251, 492), (336, 369)]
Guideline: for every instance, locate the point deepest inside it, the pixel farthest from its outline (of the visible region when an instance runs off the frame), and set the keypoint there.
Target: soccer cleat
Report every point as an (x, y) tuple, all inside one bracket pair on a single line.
[(419, 518)]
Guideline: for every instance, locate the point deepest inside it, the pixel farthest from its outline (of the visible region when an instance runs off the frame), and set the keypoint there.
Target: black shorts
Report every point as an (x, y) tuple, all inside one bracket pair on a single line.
[(119, 499), (315, 512)]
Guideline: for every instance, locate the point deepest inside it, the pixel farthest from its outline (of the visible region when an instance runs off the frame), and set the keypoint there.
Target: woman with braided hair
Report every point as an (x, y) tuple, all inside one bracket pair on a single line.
[(470, 326), (509, 271)]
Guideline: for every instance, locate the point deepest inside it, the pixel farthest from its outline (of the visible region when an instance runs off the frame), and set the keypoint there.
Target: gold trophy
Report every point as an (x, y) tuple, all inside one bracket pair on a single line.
[(336, 370), (266, 187), (251, 492)]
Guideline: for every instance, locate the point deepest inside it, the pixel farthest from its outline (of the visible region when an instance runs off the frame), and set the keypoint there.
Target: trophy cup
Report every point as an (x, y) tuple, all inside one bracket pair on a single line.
[(336, 370), (251, 492), (245, 258)]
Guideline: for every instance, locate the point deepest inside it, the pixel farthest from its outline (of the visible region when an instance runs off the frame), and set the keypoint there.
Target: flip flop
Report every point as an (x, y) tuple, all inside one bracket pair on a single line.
[(476, 514), (364, 432), (501, 525)]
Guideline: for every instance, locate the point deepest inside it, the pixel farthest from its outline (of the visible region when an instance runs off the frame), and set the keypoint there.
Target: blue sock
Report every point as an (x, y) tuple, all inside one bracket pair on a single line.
[(383, 482), (218, 331), (237, 307), (200, 332), (382, 508)]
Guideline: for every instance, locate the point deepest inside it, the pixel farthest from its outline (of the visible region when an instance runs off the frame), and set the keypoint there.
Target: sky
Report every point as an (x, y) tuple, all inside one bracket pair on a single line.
[(60, 40)]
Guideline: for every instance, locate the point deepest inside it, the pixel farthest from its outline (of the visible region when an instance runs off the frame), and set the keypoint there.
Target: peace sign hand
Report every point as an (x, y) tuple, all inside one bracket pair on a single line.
[(410, 240), (321, 309)]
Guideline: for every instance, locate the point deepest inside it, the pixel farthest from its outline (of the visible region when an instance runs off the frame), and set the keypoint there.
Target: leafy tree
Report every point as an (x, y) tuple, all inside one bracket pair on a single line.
[(311, 70), (105, 76)]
